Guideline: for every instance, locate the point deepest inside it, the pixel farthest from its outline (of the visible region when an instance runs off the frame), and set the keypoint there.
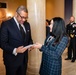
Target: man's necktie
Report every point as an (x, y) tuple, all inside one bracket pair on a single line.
[(22, 31)]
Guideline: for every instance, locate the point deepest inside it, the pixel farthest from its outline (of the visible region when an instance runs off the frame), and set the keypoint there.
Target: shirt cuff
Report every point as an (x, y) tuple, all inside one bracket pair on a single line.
[(14, 52)]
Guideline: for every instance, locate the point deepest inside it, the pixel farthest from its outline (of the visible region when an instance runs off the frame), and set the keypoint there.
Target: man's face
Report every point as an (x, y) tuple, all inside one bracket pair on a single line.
[(72, 19), (22, 17)]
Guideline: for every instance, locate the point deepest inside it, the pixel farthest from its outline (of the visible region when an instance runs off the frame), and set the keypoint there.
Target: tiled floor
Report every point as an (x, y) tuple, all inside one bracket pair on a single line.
[(68, 68)]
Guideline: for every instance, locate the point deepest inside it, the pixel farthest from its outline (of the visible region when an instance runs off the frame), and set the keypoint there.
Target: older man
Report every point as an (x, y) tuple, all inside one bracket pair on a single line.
[(15, 34)]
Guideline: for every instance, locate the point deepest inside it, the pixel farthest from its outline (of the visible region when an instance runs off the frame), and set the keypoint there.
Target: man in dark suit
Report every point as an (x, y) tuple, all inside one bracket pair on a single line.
[(15, 35), (71, 31)]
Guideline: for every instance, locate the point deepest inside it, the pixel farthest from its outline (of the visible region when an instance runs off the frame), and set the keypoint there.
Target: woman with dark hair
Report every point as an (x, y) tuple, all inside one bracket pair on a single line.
[(53, 48)]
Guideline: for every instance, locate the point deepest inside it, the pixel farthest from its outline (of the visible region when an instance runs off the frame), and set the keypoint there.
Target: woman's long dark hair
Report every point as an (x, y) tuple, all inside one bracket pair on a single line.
[(59, 29)]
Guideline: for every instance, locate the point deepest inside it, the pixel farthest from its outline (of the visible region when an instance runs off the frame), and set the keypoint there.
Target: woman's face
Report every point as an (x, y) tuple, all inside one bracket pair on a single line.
[(51, 25)]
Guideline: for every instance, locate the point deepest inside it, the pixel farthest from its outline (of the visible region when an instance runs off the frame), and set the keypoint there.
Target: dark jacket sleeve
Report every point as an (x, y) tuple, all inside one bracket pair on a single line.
[(4, 38)]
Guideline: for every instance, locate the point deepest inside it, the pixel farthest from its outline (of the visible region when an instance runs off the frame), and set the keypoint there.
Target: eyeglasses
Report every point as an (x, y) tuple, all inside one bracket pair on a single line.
[(22, 17)]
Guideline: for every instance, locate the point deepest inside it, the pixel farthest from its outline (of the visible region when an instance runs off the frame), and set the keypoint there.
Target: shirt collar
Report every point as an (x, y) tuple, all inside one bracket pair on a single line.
[(16, 20)]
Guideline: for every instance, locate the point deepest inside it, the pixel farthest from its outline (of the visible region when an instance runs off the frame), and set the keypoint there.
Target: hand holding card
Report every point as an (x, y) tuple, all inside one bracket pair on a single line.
[(28, 46)]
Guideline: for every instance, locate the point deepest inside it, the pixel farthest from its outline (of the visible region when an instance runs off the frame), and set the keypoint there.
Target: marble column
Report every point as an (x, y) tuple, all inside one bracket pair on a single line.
[(74, 9), (36, 18)]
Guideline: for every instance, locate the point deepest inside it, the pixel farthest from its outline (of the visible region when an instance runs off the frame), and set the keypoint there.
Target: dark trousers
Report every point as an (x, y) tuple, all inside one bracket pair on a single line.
[(72, 49), (69, 52), (20, 70)]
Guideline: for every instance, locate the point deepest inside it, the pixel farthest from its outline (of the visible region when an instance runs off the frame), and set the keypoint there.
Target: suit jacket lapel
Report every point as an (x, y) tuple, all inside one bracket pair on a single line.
[(16, 28)]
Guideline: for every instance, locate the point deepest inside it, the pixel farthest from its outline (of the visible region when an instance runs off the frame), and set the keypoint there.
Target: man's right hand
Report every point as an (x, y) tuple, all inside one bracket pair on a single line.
[(21, 49)]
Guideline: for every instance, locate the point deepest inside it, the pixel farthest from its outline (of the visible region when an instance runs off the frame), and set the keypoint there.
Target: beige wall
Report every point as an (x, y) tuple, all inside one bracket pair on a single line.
[(2, 15), (13, 4), (54, 8)]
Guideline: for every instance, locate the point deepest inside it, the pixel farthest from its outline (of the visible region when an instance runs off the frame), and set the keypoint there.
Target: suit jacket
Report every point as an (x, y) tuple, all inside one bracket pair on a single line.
[(11, 38), (51, 57)]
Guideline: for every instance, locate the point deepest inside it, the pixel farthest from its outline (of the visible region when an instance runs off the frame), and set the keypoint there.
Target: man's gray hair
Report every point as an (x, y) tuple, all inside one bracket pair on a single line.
[(22, 8)]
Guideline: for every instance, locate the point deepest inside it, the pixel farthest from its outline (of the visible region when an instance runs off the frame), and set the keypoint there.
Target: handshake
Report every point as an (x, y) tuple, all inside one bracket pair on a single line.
[(22, 49)]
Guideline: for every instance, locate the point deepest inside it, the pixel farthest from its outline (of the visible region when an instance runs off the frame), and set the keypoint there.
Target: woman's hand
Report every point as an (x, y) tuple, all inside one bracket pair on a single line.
[(37, 45)]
